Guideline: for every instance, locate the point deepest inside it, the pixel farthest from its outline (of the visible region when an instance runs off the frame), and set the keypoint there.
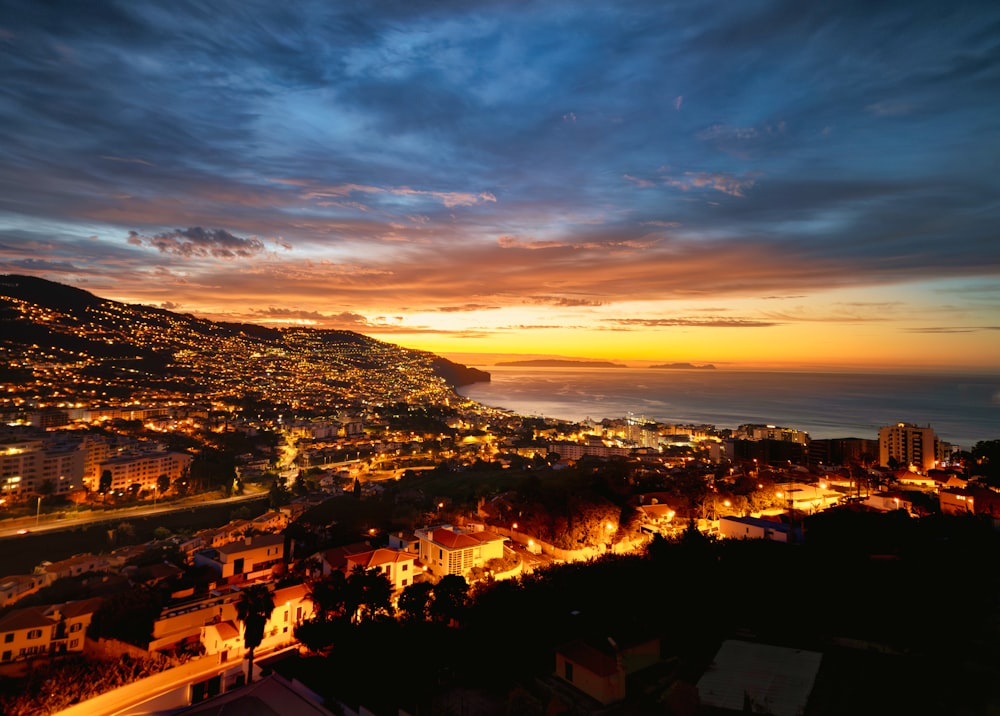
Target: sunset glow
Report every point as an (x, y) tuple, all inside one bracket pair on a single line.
[(746, 184)]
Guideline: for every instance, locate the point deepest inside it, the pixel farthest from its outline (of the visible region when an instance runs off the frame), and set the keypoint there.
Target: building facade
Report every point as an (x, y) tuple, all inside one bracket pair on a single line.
[(908, 446), (448, 550)]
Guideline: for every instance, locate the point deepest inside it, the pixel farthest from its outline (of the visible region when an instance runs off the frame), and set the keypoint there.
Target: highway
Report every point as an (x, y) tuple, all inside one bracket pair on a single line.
[(71, 519)]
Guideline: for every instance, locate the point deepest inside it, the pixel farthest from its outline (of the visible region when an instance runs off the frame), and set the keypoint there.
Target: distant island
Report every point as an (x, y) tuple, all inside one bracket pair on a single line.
[(557, 363), (685, 366)]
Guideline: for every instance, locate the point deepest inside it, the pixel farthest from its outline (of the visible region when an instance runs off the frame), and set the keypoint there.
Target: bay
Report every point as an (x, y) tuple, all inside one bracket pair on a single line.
[(962, 409)]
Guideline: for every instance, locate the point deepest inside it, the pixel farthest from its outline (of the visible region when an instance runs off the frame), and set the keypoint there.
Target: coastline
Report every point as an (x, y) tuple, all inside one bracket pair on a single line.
[(962, 408)]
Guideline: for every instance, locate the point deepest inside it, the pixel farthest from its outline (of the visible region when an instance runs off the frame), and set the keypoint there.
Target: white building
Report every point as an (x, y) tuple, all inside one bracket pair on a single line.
[(910, 446), (448, 550)]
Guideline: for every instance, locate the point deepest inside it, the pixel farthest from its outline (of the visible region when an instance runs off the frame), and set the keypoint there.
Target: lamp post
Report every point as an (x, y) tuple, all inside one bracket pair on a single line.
[(38, 512)]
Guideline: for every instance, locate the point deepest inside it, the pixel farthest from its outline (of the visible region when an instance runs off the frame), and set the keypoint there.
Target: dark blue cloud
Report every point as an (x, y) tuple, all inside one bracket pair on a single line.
[(858, 135)]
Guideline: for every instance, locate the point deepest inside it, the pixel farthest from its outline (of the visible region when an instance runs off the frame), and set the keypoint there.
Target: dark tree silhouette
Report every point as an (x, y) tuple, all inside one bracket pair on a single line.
[(253, 609), (331, 597), (372, 592), (414, 602), (105, 484), (451, 596)]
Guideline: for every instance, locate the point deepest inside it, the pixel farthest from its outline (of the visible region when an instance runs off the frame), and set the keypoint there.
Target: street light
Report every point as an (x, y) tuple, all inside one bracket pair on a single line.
[(38, 512)]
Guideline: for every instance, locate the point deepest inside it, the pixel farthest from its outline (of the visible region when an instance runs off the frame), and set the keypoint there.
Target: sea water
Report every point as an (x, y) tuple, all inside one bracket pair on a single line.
[(962, 409)]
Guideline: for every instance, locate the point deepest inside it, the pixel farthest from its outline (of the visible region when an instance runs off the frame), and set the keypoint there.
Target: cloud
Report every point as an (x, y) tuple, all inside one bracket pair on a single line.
[(169, 306), (274, 314), (639, 182), (719, 181), (196, 242), (724, 132), (513, 242), (449, 199), (467, 307), (693, 322), (565, 302), (726, 183), (127, 160), (889, 108), (943, 330), (678, 101)]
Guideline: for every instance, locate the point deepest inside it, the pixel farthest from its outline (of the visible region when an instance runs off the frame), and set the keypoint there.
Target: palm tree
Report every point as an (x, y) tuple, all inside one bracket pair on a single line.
[(253, 609)]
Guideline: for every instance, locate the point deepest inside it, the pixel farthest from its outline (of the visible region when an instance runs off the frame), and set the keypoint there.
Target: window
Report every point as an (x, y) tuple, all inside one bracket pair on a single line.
[(404, 568), (8, 638), (6, 656), (35, 634), (74, 643), (568, 671), (76, 627), (405, 581)]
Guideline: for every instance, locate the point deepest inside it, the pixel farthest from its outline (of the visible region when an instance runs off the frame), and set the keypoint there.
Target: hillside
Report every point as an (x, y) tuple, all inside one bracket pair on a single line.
[(62, 345)]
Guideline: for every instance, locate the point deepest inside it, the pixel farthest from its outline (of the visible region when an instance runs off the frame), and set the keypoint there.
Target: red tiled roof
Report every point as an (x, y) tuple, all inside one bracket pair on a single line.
[(380, 556), (459, 540), (84, 606), (26, 618), (452, 540), (593, 660)]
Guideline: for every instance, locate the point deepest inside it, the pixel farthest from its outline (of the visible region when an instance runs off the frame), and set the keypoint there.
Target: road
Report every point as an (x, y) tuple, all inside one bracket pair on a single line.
[(70, 520)]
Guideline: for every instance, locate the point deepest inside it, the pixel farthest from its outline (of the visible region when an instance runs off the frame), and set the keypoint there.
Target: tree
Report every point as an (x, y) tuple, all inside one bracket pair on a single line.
[(986, 459), (163, 483), (105, 483), (371, 590), (253, 609), (415, 601), (451, 596), (331, 597), (279, 495)]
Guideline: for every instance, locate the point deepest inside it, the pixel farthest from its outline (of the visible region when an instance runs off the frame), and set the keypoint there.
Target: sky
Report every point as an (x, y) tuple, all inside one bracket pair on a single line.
[(754, 183)]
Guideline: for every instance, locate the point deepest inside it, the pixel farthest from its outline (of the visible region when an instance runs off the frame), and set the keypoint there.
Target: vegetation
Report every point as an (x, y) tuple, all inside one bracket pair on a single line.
[(54, 686), (253, 609), (693, 593)]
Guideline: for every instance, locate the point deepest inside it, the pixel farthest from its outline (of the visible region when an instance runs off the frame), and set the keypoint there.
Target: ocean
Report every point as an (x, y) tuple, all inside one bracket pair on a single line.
[(962, 409)]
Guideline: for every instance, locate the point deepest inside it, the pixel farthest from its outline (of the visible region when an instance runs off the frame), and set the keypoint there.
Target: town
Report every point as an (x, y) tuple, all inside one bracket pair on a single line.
[(312, 517)]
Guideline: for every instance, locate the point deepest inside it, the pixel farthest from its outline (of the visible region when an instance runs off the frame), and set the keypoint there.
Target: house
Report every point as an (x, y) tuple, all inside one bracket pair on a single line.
[(755, 528), (251, 558), (223, 635), (272, 521), (222, 638), (16, 586), (449, 550), (914, 479), (273, 694), (889, 501), (656, 516), (42, 630), (759, 678), (956, 501), (72, 567), (600, 668), (335, 558), (808, 497), (406, 541), (399, 567)]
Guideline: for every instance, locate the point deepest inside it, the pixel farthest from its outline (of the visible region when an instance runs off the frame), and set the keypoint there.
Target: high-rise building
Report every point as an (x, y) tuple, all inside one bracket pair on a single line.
[(908, 446)]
